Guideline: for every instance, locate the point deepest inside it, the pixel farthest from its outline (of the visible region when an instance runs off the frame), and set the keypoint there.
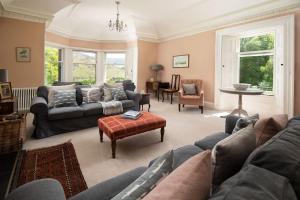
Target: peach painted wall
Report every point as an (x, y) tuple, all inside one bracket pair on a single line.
[(147, 55), (201, 48), (17, 33), (54, 38)]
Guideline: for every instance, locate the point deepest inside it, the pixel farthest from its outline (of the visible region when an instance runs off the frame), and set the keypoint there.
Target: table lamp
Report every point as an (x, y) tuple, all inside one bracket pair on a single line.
[(3, 75), (156, 68)]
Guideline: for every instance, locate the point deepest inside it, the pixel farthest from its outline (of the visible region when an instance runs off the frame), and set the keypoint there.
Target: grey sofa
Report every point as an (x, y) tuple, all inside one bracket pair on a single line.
[(52, 121), (49, 189)]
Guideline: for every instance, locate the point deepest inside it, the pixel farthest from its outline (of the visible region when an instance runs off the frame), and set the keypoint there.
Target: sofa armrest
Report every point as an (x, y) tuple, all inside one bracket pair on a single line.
[(136, 97), (110, 188), (39, 106), (46, 189), (230, 123)]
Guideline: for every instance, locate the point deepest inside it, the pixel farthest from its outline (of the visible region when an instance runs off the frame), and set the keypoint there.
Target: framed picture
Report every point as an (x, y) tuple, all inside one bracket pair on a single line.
[(181, 61), (23, 54), (5, 90)]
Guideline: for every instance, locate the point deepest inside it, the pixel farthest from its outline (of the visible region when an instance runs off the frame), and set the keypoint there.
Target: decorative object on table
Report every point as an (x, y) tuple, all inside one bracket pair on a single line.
[(3, 75), (116, 128), (152, 86), (12, 132), (5, 90), (145, 100), (191, 93), (23, 54), (174, 87), (241, 86), (181, 61), (240, 111), (118, 24), (156, 68), (131, 114), (57, 162), (151, 79)]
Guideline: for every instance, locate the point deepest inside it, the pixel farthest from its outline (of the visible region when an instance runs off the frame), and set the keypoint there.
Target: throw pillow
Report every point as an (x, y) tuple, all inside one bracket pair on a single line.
[(266, 128), (107, 94), (91, 95), (244, 122), (118, 94), (190, 181), (189, 89), (65, 98), (255, 183), (52, 89), (281, 155), (148, 180), (229, 155)]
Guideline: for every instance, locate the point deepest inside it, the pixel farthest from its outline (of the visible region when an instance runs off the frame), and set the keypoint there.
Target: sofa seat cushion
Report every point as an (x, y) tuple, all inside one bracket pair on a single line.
[(91, 109), (210, 141), (127, 103), (65, 113), (255, 183)]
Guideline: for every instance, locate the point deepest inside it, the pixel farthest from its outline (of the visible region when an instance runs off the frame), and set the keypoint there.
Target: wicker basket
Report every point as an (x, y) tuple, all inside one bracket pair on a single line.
[(10, 139)]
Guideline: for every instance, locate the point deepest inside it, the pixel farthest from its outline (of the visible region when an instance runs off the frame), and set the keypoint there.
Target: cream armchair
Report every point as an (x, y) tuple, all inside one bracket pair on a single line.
[(197, 99)]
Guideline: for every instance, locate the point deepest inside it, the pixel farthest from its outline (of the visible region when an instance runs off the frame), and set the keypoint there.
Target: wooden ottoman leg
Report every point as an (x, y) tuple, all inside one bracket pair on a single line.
[(113, 148), (101, 135), (162, 133)]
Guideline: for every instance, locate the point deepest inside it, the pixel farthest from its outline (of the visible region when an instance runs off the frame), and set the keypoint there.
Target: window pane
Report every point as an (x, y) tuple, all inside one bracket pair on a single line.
[(52, 66), (84, 57), (84, 73), (257, 43), (257, 71), (115, 67)]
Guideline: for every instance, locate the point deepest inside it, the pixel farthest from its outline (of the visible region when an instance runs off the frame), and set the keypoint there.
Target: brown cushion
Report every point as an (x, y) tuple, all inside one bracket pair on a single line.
[(229, 155), (190, 181), (266, 128)]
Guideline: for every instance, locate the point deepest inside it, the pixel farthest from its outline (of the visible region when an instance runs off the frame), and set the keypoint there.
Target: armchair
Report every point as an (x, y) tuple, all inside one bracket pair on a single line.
[(197, 99)]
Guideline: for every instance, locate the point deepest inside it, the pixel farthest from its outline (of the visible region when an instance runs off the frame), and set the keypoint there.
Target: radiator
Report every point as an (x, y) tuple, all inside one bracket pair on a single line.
[(24, 97)]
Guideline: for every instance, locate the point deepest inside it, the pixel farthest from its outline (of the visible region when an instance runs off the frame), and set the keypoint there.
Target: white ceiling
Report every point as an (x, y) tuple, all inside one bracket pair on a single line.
[(148, 19)]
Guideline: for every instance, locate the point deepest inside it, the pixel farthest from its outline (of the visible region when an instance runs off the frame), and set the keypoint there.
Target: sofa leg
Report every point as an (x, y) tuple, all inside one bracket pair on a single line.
[(201, 107), (179, 107)]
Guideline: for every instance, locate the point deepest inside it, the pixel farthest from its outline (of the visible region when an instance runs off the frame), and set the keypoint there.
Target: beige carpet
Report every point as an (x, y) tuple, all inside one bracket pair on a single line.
[(95, 158)]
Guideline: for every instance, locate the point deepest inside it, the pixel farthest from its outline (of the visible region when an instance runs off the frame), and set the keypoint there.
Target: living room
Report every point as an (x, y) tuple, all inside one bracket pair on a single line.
[(187, 70)]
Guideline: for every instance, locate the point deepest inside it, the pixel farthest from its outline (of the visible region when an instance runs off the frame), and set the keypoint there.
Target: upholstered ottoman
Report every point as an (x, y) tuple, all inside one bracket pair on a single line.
[(116, 127)]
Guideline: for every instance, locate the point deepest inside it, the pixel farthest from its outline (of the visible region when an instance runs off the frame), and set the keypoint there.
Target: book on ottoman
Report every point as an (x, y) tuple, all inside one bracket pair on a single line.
[(131, 114)]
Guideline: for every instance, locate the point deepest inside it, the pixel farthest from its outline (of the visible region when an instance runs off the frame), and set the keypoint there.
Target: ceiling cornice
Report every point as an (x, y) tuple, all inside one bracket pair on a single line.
[(221, 22)]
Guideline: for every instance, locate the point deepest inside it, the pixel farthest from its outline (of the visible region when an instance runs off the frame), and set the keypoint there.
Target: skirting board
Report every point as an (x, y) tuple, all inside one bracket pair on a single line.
[(210, 105)]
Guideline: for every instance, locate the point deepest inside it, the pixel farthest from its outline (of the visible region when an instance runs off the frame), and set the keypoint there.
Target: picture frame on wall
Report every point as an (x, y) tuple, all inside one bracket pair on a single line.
[(23, 54), (5, 90), (181, 61)]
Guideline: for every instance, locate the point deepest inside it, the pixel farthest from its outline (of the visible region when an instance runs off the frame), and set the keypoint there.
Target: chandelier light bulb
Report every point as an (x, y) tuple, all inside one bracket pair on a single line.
[(118, 25)]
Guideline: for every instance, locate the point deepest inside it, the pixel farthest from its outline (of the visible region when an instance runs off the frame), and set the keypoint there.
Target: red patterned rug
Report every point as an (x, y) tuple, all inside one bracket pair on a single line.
[(57, 162)]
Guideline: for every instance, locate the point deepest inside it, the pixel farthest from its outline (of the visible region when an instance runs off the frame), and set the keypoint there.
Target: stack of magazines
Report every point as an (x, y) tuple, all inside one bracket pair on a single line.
[(131, 114)]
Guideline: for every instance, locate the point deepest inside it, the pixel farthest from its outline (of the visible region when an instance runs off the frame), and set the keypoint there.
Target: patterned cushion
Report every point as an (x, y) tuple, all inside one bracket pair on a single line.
[(117, 127), (65, 98), (189, 89), (52, 89), (148, 180), (107, 94), (91, 95), (244, 122), (118, 94)]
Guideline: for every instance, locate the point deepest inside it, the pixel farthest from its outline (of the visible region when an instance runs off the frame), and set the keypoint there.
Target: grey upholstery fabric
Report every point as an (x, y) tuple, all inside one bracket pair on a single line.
[(189, 89), (210, 141), (128, 85), (255, 183), (65, 113), (281, 154), (118, 94), (230, 123), (44, 189), (110, 188), (39, 106), (136, 97), (182, 154), (244, 122), (42, 91), (127, 104), (144, 184), (65, 98), (92, 109)]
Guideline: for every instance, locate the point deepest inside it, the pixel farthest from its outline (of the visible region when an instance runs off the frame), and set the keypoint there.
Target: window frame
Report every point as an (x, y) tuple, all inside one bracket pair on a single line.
[(271, 52), (105, 63), (60, 62)]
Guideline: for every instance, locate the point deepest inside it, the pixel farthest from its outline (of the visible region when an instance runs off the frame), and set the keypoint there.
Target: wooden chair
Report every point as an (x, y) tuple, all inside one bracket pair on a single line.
[(174, 87), (197, 99)]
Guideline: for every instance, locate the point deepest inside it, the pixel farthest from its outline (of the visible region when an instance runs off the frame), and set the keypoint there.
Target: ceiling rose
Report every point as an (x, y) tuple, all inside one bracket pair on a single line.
[(118, 24)]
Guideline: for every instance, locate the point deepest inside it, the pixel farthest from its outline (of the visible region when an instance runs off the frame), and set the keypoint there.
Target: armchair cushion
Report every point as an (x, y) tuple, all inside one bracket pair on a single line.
[(189, 89)]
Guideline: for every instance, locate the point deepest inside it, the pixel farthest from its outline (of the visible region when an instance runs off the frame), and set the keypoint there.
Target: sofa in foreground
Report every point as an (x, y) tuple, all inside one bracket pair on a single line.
[(271, 171), (49, 121)]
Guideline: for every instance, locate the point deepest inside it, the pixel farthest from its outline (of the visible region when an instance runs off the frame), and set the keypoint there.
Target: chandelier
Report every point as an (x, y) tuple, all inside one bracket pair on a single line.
[(117, 25)]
